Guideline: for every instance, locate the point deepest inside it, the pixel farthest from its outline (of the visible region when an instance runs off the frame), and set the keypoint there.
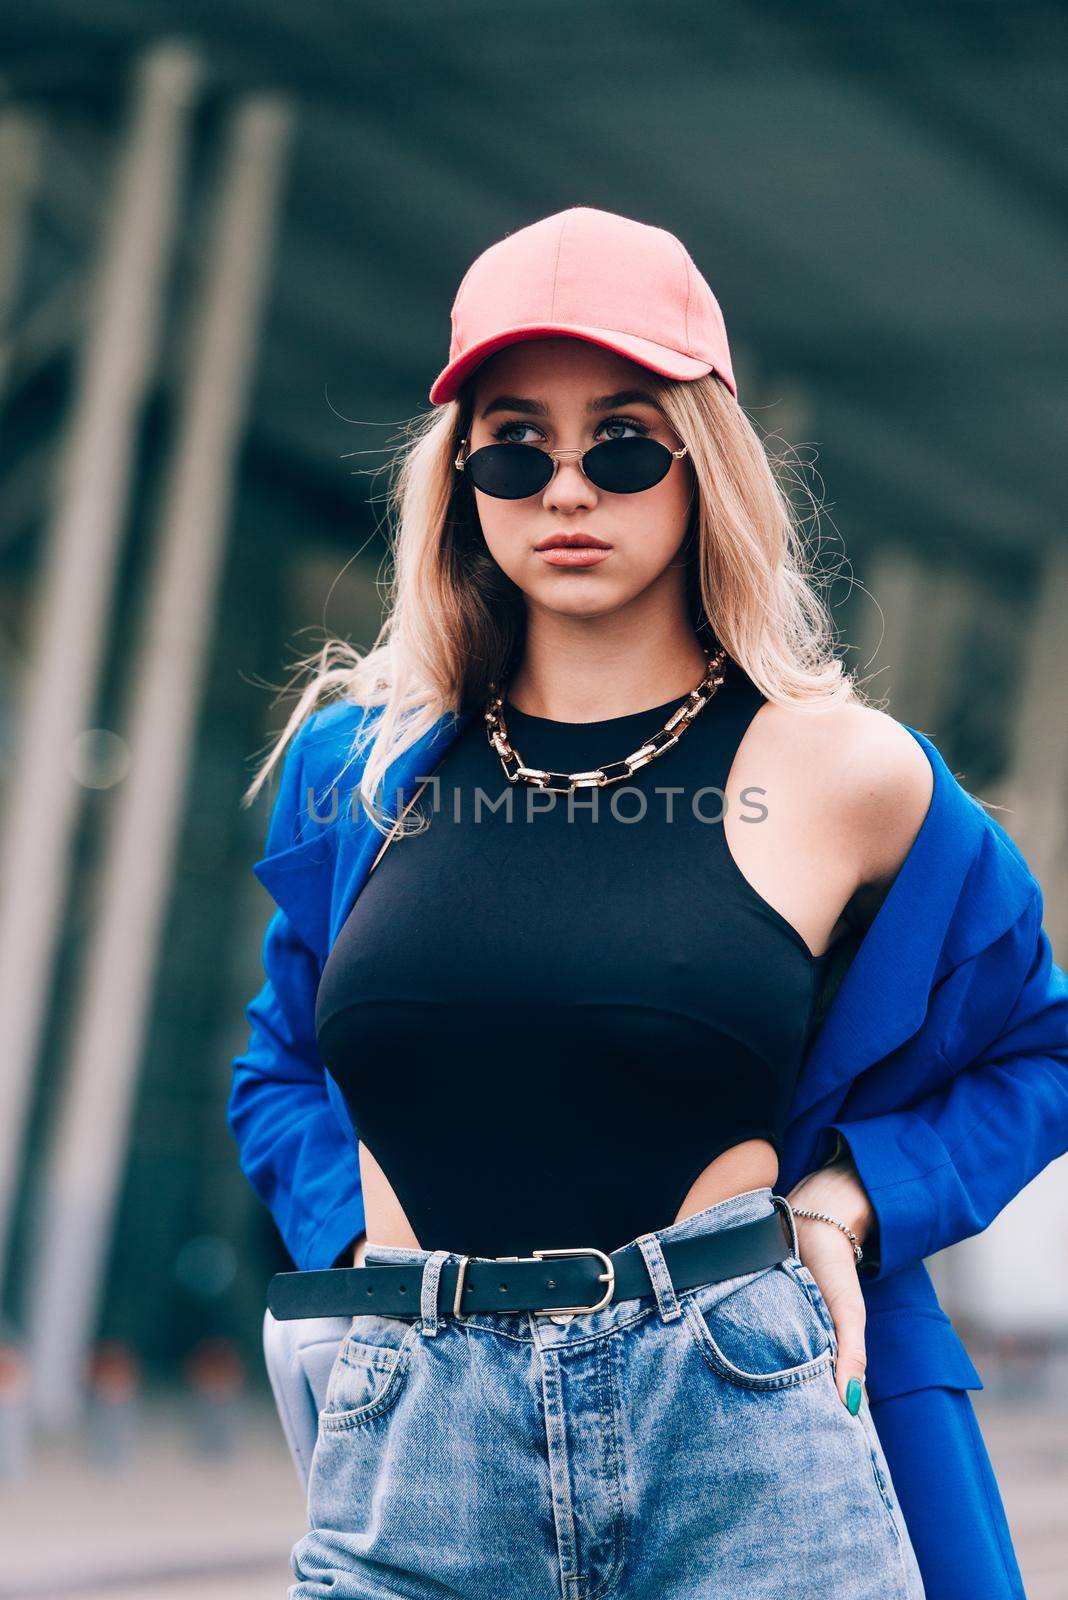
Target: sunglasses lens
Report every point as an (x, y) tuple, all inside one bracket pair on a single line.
[(516, 471), (509, 471), (626, 466)]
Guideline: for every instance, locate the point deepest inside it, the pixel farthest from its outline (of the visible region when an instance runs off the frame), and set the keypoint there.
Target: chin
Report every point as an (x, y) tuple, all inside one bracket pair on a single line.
[(581, 606)]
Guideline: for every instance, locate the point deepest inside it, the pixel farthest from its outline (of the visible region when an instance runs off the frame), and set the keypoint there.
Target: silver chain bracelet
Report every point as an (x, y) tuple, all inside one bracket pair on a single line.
[(821, 1216)]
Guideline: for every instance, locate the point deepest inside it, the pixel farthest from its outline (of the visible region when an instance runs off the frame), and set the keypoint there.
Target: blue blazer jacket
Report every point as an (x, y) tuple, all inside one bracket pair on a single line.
[(942, 1059)]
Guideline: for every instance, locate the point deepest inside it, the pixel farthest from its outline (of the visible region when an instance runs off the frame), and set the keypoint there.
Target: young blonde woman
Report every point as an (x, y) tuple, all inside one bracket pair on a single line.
[(608, 912)]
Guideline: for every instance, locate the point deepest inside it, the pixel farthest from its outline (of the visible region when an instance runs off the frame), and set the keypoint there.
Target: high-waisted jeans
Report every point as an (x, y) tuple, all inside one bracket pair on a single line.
[(685, 1446)]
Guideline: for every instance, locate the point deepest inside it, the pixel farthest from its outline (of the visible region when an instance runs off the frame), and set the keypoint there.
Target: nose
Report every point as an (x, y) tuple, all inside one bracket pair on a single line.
[(568, 489)]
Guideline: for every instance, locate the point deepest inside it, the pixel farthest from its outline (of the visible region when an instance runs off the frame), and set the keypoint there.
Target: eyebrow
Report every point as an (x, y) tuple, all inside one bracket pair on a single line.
[(538, 408)]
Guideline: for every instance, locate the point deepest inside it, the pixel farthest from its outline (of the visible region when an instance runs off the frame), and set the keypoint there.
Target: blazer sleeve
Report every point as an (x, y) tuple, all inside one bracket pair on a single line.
[(291, 1145), (941, 1169)]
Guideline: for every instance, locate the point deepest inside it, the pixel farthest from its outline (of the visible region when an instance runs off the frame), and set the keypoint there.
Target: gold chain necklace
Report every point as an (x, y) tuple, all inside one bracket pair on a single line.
[(615, 771)]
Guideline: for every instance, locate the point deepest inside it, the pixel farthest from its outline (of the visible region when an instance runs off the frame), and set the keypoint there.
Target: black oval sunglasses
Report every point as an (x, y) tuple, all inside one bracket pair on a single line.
[(515, 471)]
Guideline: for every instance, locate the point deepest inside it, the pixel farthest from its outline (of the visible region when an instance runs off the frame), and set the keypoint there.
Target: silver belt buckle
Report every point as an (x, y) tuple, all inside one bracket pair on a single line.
[(608, 1276)]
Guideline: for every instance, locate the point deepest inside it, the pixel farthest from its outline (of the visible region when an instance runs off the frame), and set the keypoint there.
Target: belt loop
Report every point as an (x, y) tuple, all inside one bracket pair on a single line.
[(428, 1294), (781, 1201), (666, 1298)]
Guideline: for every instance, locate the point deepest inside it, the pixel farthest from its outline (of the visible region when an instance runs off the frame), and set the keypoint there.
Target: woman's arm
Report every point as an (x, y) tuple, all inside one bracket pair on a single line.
[(293, 1149), (837, 1190), (914, 1181), (939, 1169), (942, 1168)]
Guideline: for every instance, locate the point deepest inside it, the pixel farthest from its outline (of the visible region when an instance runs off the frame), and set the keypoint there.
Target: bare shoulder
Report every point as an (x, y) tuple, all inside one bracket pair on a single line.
[(883, 783), (864, 775), (887, 783)]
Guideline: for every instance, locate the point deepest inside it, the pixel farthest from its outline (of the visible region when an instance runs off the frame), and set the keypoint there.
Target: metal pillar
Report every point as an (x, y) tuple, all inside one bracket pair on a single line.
[(77, 576), (20, 161), (167, 671)]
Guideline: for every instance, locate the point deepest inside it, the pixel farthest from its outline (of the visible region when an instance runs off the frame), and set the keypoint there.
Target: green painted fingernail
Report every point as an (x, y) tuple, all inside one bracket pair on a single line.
[(853, 1396)]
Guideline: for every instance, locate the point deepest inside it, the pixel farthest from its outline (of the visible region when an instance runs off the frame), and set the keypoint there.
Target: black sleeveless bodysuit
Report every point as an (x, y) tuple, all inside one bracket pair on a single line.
[(547, 1020)]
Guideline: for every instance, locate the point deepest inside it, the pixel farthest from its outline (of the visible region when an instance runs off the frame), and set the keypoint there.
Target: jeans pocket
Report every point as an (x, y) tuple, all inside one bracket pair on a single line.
[(767, 1333), (369, 1371)]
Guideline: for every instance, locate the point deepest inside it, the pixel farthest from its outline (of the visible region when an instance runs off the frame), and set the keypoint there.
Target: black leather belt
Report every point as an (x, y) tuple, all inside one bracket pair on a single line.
[(583, 1279)]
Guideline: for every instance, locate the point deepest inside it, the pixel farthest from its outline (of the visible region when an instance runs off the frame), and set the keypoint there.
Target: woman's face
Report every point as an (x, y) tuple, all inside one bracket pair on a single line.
[(565, 393)]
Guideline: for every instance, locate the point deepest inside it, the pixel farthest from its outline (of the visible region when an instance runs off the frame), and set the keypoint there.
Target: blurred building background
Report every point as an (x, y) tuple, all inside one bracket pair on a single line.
[(229, 240)]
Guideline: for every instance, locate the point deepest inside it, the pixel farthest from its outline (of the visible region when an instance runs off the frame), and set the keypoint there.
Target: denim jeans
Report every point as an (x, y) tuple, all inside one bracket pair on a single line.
[(681, 1445)]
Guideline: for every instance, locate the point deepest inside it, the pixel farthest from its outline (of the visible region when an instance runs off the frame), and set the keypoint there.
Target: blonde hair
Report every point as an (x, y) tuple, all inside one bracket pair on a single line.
[(454, 621)]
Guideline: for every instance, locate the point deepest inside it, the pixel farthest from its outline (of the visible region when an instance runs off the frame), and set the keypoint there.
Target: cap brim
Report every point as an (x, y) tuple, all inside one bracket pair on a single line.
[(659, 359)]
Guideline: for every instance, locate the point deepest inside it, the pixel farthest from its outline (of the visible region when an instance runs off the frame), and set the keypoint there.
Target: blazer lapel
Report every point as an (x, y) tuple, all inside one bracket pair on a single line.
[(359, 841), (299, 879), (317, 880)]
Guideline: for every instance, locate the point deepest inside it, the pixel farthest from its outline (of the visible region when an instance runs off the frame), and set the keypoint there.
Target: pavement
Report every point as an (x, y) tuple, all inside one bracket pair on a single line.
[(1028, 1445), (171, 1524), (174, 1524)]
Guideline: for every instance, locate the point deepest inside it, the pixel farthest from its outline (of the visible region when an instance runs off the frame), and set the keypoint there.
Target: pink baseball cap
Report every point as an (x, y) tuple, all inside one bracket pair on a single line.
[(618, 283)]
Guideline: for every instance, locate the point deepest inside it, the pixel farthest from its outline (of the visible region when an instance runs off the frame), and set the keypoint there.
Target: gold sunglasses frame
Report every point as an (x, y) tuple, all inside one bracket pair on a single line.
[(676, 455)]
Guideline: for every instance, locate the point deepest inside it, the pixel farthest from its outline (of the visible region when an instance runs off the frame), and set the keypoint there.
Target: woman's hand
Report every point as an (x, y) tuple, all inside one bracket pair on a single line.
[(828, 1255)]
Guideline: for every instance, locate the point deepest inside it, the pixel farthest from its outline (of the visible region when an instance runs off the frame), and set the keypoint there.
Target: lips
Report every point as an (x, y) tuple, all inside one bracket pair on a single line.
[(572, 541)]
